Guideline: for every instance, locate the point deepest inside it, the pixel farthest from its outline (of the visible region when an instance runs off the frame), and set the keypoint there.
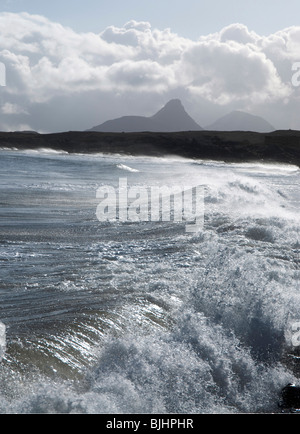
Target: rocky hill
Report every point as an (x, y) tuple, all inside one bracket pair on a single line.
[(172, 117)]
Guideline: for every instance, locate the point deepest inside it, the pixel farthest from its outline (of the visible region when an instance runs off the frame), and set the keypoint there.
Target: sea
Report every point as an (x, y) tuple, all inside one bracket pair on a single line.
[(107, 315)]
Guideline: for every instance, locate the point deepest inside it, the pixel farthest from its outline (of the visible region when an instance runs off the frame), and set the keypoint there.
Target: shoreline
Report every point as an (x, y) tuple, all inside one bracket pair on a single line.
[(282, 146)]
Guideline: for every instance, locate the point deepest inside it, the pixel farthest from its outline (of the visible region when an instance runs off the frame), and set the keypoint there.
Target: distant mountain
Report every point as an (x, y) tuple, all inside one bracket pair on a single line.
[(241, 121), (171, 118), (27, 132)]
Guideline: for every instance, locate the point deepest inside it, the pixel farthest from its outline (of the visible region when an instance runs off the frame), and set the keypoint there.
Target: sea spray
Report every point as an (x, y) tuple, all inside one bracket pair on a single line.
[(2, 339), (141, 316)]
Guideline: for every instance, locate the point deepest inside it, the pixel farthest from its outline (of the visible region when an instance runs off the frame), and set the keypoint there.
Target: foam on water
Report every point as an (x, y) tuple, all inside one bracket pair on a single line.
[(2, 339), (141, 317), (126, 168)]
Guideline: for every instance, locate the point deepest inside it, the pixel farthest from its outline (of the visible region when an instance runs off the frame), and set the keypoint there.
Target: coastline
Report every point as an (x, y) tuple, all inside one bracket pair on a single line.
[(282, 146)]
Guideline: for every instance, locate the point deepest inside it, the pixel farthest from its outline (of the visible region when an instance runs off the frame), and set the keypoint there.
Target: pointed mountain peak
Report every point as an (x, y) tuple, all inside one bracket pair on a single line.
[(172, 117), (173, 106)]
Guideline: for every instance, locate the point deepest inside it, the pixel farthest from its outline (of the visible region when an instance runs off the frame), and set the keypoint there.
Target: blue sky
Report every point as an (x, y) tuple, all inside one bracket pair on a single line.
[(189, 18)]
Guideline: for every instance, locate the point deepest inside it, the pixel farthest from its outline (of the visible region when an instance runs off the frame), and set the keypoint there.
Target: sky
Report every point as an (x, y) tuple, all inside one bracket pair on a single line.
[(188, 18), (73, 64)]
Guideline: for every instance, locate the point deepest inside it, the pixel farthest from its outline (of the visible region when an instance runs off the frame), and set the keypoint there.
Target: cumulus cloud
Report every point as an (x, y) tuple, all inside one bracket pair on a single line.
[(224, 72), (238, 33), (52, 71)]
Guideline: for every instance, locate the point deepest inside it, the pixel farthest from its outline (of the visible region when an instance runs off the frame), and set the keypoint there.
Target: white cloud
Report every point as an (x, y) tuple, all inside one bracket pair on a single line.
[(46, 62), (13, 109), (226, 72), (238, 33)]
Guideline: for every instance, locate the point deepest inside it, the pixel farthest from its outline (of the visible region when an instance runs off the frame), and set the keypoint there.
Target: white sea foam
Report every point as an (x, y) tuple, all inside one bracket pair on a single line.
[(127, 168), (143, 317), (46, 151), (2, 339)]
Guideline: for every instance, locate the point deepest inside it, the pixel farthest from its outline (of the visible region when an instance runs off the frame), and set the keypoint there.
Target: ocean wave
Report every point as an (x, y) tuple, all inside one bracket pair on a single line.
[(46, 151), (140, 317), (126, 168)]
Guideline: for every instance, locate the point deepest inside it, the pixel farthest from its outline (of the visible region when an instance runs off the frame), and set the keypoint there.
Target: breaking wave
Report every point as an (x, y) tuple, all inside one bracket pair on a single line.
[(141, 317)]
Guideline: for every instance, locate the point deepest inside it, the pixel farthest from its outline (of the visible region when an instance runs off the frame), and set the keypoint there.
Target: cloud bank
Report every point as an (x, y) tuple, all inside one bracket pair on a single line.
[(58, 80)]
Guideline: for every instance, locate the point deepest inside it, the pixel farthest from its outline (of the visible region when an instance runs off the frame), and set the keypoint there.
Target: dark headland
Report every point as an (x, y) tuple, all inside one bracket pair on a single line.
[(230, 146), (172, 131)]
